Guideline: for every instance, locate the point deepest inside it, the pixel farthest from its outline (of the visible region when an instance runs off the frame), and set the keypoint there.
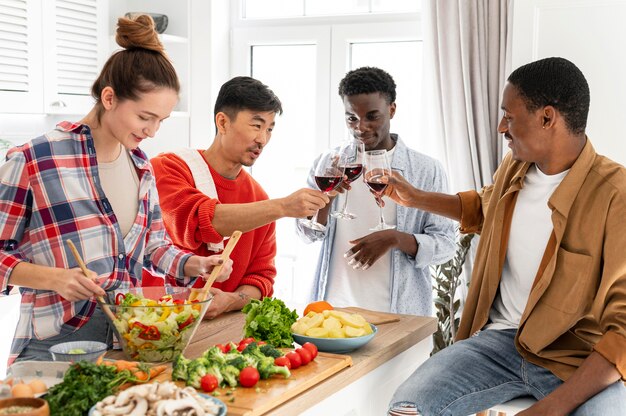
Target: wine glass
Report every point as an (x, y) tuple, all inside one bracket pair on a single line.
[(377, 166), (352, 151), (329, 172)]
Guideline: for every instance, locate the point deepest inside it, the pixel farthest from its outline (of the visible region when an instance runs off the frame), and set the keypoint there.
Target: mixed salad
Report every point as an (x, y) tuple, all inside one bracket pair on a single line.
[(152, 330)]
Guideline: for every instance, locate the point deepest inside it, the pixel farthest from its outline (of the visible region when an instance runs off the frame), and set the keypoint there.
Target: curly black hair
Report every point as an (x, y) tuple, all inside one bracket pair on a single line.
[(367, 80), (556, 82), (246, 93)]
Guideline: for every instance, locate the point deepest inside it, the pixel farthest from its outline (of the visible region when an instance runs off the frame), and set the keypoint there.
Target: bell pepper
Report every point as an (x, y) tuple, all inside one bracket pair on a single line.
[(187, 322), (165, 314)]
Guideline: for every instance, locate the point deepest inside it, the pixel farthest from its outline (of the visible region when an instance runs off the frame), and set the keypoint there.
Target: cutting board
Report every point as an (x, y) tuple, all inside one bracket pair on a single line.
[(373, 317), (268, 394)]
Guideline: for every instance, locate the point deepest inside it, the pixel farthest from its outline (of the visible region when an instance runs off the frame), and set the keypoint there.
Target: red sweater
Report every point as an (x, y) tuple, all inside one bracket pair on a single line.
[(188, 216)]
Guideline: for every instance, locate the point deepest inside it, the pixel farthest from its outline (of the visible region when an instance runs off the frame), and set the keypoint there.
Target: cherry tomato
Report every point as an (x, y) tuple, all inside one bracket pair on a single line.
[(282, 362), (249, 376), (294, 357), (223, 348), (305, 355), (208, 383), (312, 349), (244, 343)]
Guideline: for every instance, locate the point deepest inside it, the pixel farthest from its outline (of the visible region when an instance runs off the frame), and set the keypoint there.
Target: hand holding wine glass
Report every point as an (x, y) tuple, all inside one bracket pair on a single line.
[(376, 167), (352, 151), (329, 172)]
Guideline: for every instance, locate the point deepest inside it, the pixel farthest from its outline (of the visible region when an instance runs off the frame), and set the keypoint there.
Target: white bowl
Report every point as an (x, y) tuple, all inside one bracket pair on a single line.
[(93, 349)]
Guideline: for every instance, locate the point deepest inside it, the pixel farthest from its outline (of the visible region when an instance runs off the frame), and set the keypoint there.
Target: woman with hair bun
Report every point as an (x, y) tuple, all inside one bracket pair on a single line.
[(89, 182)]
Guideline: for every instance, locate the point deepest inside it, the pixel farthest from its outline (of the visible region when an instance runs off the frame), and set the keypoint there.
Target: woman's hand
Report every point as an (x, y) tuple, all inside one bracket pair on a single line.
[(203, 266), (73, 285)]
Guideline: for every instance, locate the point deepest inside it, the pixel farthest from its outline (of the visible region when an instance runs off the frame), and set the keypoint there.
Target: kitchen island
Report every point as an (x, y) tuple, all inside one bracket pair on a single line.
[(364, 388)]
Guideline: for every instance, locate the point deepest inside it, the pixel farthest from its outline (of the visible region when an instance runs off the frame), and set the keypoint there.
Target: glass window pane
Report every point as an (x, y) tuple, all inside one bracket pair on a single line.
[(260, 9), (407, 76), (289, 70), (396, 6), (334, 7)]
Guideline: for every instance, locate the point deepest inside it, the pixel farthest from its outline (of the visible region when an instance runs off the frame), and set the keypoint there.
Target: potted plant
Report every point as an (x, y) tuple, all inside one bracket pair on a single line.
[(447, 278)]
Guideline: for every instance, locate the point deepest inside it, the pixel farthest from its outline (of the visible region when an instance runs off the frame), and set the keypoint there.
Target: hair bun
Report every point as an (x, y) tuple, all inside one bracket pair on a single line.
[(138, 32)]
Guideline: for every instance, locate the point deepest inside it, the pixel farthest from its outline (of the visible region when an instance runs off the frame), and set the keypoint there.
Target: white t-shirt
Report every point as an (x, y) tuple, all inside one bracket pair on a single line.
[(531, 227), (120, 183), (371, 288)]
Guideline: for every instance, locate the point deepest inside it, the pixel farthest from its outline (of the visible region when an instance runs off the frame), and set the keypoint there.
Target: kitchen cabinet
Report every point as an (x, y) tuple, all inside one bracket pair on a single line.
[(50, 53), (174, 131)]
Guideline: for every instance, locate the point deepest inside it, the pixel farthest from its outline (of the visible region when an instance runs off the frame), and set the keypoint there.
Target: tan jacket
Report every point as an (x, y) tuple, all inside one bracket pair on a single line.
[(578, 300)]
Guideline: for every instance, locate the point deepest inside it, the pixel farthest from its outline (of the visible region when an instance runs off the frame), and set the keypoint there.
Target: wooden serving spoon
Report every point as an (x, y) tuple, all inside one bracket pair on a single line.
[(201, 294)]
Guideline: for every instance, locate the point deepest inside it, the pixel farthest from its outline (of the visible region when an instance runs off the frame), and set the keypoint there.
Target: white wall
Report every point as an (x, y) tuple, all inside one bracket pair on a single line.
[(591, 34)]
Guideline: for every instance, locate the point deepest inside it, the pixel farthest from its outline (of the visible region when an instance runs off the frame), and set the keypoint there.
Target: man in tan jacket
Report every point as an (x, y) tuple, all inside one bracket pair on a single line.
[(545, 314)]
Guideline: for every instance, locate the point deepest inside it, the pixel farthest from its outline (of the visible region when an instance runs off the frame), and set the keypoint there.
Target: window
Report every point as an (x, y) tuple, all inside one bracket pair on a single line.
[(302, 61), (262, 9)]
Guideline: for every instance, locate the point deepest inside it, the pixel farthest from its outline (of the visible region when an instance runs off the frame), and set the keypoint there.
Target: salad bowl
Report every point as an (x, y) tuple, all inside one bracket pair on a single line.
[(154, 324)]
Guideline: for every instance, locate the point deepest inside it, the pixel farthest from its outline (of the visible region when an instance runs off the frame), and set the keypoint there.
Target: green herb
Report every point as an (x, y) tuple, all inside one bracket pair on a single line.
[(269, 320), (83, 385)]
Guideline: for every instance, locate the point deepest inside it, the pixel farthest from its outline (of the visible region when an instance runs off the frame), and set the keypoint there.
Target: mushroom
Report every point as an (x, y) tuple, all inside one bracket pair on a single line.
[(141, 407), (188, 406)]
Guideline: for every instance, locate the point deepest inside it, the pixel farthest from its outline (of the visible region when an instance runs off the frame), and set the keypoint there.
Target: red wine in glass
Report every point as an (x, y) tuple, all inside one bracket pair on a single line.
[(353, 171), (327, 183), (375, 184), (377, 166)]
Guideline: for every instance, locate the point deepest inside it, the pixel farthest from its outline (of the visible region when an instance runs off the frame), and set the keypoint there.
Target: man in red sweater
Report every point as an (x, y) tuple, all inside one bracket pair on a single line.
[(205, 195)]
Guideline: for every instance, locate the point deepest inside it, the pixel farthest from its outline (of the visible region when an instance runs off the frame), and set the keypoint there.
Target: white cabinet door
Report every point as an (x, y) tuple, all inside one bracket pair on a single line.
[(21, 71), (75, 48)]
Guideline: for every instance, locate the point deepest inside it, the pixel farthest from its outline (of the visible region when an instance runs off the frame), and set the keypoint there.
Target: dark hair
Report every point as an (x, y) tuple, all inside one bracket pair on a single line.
[(367, 80), (140, 67), (246, 93), (556, 82)]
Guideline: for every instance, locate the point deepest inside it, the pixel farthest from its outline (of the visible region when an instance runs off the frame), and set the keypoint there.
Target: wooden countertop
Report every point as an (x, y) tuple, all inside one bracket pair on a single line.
[(392, 339)]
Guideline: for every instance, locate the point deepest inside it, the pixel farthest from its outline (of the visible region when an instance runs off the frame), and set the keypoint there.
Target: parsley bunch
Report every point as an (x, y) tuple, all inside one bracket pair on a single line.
[(83, 385), (269, 320)]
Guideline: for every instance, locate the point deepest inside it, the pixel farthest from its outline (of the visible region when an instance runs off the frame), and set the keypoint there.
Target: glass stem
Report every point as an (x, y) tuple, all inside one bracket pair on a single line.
[(344, 210), (381, 222)]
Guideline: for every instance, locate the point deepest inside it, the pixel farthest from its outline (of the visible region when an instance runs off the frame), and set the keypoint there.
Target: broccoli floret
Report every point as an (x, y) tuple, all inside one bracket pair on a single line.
[(179, 367), (214, 355), (242, 361), (267, 368), (269, 351), (253, 350), (230, 374), (215, 370), (195, 371)]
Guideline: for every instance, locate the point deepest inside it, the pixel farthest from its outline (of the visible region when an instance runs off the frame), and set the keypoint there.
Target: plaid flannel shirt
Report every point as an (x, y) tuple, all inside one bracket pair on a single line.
[(50, 192)]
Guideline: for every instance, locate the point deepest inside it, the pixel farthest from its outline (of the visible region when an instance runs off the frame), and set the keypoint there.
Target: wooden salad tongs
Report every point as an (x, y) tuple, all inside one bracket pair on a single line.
[(83, 267), (201, 294)]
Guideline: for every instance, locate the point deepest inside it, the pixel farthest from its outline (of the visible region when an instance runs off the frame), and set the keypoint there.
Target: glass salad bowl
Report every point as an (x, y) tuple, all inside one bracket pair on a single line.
[(154, 324)]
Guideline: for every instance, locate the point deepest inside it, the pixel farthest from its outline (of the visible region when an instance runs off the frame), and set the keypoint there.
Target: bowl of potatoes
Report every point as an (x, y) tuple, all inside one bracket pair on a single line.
[(333, 331)]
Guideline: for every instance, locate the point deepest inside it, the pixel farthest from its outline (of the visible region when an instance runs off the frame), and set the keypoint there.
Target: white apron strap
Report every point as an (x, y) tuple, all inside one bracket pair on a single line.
[(203, 179)]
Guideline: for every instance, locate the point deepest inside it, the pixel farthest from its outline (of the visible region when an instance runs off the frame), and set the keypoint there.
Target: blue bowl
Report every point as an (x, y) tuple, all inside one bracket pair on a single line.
[(92, 350), (337, 345)]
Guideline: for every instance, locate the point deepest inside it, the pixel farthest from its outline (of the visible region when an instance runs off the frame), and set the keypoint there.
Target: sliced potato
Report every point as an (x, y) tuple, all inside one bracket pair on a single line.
[(336, 333), (317, 332), (316, 320), (331, 323), (354, 332)]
